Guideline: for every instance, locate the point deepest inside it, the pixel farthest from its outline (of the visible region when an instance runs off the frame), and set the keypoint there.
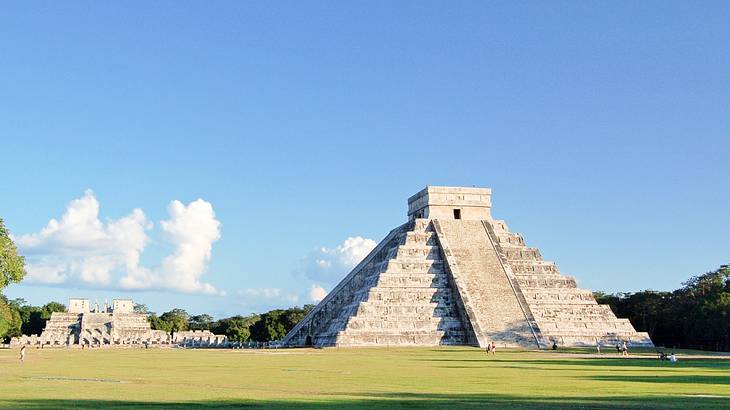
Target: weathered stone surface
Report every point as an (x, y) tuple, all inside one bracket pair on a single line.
[(454, 275)]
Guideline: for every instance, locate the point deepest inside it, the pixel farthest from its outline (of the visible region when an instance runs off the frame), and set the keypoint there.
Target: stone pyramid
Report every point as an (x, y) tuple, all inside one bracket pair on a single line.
[(452, 275)]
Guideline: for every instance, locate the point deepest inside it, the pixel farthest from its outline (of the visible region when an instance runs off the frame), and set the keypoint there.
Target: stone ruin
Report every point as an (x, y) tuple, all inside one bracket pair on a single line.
[(112, 326), (453, 275), (199, 338)]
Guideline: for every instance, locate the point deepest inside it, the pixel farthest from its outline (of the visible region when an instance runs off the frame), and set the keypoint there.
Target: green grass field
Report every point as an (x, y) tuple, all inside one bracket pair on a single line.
[(369, 378)]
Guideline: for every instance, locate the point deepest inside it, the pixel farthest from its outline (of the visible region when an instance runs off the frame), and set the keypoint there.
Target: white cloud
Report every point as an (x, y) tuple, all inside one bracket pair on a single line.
[(81, 249), (192, 230), (317, 293), (330, 265)]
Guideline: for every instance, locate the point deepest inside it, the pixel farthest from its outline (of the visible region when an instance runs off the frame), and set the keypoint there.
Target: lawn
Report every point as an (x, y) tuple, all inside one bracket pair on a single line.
[(369, 378)]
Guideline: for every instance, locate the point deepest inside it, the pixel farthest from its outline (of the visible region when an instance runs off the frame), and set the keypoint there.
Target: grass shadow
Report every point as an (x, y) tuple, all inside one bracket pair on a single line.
[(691, 379), (607, 362), (395, 400)]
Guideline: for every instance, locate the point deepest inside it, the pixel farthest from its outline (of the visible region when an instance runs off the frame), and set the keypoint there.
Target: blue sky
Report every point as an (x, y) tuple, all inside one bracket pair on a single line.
[(603, 130)]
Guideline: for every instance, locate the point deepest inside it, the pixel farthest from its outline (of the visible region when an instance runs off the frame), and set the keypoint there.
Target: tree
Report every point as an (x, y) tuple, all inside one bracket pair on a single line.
[(12, 265), (12, 270), (158, 324), (177, 319), (237, 328), (275, 324), (200, 322), (10, 322), (140, 308), (704, 304), (269, 327), (51, 307), (694, 316)]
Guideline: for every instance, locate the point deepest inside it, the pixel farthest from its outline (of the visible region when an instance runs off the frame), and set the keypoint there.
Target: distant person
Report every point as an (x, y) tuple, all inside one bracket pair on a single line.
[(555, 345), (624, 349), (598, 347), (618, 348), (673, 358), (22, 354)]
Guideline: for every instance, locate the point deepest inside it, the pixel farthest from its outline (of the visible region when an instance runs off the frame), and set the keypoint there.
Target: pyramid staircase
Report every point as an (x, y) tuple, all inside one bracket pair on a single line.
[(401, 296), (562, 312), (444, 280)]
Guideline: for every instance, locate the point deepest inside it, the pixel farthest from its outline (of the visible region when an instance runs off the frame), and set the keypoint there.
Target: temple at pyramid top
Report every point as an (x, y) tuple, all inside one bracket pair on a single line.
[(454, 275), (446, 202)]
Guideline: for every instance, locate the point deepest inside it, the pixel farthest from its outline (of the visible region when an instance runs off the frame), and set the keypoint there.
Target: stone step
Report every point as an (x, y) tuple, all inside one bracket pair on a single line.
[(413, 280), (410, 296), (510, 239), (577, 318), (588, 333), (550, 295), (568, 311), (431, 316), (548, 303), (550, 326), (521, 253), (403, 324), (418, 252), (608, 342), (404, 304), (414, 338), (421, 238), (415, 274), (542, 276), (533, 267), (431, 309), (430, 266), (544, 281)]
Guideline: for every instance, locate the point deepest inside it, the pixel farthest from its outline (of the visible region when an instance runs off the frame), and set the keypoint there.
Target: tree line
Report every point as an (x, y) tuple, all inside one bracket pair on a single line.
[(266, 327), (695, 316)]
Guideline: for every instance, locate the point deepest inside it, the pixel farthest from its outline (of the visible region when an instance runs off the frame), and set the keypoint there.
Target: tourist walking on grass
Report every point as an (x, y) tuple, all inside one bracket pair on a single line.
[(22, 354), (624, 349)]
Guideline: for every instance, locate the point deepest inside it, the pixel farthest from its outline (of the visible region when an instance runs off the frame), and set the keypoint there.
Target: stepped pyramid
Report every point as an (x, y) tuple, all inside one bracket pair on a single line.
[(452, 275)]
